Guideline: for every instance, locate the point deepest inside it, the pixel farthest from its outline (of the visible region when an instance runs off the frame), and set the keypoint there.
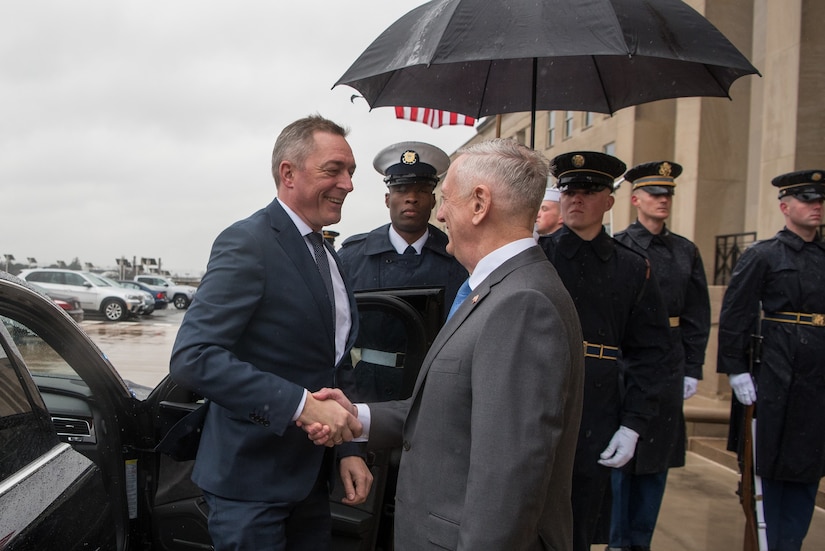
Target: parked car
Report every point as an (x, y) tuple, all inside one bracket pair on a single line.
[(69, 303), (146, 297), (79, 468), (180, 295), (96, 293), (161, 300)]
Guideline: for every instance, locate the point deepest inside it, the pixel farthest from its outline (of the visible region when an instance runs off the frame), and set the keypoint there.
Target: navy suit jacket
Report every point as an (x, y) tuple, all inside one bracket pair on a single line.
[(257, 333)]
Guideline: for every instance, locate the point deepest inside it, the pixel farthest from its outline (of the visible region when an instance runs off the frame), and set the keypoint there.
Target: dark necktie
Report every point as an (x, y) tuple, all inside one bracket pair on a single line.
[(320, 253), (463, 292), (410, 250)]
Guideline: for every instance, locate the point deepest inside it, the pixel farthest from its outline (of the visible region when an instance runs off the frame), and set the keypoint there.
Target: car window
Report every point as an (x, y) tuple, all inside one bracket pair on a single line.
[(23, 417), (74, 279), (41, 277), (39, 356), (100, 281)]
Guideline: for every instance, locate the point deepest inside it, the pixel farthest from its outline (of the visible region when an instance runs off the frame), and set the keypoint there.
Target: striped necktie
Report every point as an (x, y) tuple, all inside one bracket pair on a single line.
[(322, 262)]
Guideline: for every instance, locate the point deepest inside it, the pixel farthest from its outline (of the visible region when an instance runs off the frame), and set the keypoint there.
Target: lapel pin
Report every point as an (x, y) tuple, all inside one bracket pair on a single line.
[(475, 299)]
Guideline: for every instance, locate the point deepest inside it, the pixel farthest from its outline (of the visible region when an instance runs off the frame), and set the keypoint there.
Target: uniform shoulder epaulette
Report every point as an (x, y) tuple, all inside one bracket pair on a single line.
[(354, 239)]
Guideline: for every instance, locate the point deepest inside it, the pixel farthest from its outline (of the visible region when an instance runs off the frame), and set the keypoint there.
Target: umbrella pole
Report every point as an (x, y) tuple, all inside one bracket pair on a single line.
[(533, 104), (498, 126)]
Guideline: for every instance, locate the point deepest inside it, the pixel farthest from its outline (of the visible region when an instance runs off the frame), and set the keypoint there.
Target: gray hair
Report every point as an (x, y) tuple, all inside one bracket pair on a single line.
[(517, 172), (297, 141)]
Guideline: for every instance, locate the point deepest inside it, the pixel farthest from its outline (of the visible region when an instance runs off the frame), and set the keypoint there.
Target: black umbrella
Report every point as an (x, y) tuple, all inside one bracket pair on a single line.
[(479, 58)]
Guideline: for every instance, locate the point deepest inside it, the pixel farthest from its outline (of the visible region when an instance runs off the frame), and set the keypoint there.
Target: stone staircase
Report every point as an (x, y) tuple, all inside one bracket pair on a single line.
[(707, 431)]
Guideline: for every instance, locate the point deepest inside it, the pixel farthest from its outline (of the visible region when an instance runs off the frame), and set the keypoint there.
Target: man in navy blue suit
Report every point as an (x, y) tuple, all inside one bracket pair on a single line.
[(270, 323)]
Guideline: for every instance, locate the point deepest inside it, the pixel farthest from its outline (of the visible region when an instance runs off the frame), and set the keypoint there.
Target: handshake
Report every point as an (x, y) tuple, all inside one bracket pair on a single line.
[(329, 418)]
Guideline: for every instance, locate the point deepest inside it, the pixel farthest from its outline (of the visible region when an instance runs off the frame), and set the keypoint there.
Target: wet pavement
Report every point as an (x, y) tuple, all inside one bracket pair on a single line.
[(700, 512), (139, 348)]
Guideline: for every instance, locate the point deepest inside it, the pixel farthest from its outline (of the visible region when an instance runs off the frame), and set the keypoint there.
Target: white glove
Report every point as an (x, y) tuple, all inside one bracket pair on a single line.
[(742, 385), (691, 385), (621, 449)]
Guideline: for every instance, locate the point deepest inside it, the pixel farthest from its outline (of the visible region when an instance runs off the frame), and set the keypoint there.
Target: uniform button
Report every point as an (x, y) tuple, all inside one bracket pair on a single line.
[(406, 445)]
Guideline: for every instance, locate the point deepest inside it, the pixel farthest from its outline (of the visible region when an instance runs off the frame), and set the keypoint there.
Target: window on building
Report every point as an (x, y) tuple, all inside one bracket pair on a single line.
[(521, 136), (610, 148), (568, 124), (551, 129), (588, 119)]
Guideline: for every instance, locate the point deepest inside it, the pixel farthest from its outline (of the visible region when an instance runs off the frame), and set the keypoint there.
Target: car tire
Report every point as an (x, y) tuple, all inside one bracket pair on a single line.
[(114, 309), (181, 302)]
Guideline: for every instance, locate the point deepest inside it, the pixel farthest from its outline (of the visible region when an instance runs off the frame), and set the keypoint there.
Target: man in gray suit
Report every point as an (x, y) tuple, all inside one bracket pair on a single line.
[(489, 433)]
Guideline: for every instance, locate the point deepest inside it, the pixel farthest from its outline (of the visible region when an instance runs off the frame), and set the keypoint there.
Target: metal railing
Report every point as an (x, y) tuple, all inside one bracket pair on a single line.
[(728, 250)]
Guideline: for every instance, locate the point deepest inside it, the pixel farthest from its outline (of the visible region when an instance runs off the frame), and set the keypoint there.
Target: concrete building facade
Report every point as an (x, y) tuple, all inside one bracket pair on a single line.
[(730, 148)]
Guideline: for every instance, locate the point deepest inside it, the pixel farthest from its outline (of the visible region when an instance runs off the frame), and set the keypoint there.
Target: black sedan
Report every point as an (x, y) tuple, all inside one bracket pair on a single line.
[(78, 465)]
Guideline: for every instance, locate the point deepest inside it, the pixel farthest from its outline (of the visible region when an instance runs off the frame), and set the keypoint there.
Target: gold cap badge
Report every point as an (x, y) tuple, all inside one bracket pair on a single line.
[(578, 161), (409, 157)]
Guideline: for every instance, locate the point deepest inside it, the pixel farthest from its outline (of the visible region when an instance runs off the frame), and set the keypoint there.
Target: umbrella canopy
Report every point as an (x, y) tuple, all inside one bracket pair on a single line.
[(482, 58)]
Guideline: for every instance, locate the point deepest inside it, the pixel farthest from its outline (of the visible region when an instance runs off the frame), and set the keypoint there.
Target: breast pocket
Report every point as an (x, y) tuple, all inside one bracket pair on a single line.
[(446, 365)]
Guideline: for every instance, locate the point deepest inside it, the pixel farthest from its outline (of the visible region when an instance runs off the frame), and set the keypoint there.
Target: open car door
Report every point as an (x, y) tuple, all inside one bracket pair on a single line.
[(397, 328)]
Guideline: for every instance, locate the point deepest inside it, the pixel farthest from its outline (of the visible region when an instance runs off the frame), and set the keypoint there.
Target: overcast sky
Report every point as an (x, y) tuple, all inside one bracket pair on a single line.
[(144, 128)]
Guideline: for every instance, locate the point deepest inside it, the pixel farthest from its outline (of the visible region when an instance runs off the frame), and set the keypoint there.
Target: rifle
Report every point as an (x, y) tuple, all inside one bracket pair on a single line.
[(751, 484)]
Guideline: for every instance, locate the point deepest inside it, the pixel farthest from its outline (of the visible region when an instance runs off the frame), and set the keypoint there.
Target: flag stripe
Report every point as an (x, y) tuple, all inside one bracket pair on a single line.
[(433, 117)]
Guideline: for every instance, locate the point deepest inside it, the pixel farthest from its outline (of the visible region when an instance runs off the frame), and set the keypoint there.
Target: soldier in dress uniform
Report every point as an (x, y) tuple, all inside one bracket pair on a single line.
[(622, 316), (778, 285), (407, 252), (677, 266), (549, 217)]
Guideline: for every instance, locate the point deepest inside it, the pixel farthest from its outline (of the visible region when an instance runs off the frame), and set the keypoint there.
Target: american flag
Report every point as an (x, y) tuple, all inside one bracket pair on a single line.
[(434, 117)]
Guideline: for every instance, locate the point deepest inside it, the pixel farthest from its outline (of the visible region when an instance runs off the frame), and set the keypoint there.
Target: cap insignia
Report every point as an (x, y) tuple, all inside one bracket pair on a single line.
[(817, 176), (409, 157), (664, 169), (578, 161)]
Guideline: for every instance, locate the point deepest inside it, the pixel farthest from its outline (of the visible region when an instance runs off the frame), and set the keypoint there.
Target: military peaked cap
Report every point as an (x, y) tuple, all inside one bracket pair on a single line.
[(656, 178), (805, 185), (411, 162), (586, 170)]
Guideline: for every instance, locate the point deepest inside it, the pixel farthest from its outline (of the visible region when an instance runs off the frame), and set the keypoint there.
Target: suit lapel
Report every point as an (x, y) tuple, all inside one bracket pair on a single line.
[(487, 286), (297, 251)]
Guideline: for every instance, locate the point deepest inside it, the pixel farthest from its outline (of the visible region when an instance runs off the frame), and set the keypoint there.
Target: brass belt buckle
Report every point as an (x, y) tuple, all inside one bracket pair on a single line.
[(818, 320)]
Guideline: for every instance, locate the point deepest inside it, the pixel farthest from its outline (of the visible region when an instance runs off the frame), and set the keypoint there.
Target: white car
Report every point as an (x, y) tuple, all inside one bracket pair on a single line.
[(180, 295), (94, 292)]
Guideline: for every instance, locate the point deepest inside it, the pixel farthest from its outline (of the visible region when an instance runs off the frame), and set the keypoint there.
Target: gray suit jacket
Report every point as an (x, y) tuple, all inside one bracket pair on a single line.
[(489, 434)]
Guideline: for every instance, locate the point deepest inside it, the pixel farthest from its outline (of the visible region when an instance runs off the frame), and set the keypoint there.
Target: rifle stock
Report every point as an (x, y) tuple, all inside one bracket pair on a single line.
[(746, 494)]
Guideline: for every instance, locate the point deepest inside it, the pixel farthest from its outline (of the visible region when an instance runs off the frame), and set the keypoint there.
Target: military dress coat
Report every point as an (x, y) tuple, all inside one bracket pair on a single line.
[(680, 274), (619, 305), (371, 262), (785, 274)]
